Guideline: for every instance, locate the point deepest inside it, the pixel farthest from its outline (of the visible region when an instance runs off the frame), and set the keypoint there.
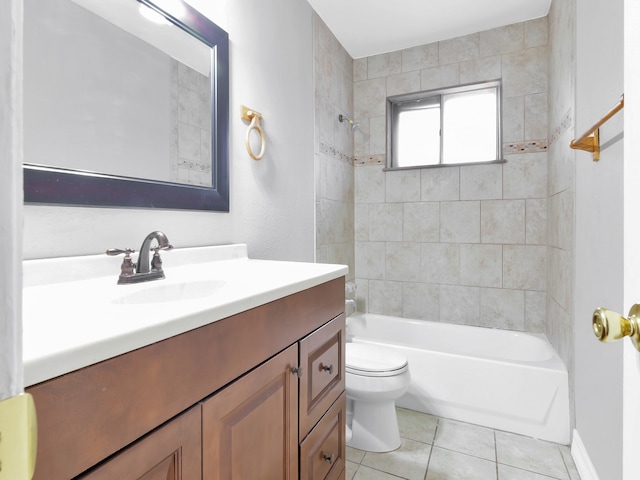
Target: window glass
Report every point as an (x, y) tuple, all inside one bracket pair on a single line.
[(469, 127), (419, 137)]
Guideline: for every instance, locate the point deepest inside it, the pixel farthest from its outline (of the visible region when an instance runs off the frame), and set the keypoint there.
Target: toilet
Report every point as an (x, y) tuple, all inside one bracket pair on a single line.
[(375, 378)]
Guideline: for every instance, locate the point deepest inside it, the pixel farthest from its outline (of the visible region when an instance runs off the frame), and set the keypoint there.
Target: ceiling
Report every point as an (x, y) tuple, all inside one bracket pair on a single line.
[(370, 27)]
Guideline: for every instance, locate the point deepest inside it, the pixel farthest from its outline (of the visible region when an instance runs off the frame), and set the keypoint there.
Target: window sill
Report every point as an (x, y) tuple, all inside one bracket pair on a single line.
[(444, 165)]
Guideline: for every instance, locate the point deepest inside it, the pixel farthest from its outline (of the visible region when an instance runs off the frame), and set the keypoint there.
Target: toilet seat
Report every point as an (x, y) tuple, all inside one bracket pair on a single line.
[(372, 361)]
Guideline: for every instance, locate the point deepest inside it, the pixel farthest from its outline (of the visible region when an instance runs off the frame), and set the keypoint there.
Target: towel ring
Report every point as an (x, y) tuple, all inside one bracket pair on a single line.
[(254, 117)]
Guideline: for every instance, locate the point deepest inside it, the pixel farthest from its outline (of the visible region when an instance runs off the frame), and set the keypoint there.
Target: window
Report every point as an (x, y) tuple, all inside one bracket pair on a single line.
[(442, 127)]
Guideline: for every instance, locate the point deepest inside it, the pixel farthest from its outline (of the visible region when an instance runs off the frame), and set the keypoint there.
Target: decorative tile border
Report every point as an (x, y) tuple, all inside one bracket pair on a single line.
[(565, 123), (530, 146), (368, 160), (335, 153)]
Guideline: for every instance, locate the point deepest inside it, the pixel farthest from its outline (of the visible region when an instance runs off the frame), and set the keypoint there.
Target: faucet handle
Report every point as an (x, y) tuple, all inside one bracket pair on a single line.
[(112, 252), (127, 267), (156, 261)]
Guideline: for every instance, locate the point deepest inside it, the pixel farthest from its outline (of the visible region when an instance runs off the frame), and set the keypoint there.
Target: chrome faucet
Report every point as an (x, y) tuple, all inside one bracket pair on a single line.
[(143, 271)]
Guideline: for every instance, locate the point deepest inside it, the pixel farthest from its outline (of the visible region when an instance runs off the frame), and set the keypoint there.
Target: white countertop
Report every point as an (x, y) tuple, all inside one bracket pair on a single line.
[(72, 318)]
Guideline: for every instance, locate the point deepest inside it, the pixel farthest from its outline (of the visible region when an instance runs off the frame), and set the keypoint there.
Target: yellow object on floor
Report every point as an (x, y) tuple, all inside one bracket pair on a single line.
[(18, 438)]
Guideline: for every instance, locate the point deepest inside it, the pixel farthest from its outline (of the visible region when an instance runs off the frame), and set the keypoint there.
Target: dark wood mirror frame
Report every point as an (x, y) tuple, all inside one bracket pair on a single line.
[(56, 186)]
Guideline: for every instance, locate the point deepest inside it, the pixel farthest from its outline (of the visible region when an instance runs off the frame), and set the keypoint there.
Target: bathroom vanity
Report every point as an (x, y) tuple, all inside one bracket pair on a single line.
[(257, 393)]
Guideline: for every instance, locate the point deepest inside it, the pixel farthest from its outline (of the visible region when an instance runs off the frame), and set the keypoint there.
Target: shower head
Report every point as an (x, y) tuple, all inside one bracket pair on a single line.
[(344, 118)]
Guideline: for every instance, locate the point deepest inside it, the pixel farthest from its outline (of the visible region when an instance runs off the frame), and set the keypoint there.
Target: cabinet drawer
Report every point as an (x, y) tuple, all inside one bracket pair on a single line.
[(322, 453), (323, 377)]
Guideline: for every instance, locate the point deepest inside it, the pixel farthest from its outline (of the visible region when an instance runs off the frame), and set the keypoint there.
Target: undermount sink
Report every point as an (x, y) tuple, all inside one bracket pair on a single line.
[(170, 292)]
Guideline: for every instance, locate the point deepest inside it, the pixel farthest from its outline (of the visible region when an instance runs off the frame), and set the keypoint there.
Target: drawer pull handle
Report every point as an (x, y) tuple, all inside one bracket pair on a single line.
[(328, 368), (328, 457), (297, 370)]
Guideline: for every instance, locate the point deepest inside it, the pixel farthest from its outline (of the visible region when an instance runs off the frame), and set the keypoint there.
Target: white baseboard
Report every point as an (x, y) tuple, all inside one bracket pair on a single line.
[(581, 458)]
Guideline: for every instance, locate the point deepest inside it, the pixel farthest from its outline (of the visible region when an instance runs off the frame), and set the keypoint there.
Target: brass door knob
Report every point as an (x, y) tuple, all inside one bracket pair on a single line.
[(609, 325)]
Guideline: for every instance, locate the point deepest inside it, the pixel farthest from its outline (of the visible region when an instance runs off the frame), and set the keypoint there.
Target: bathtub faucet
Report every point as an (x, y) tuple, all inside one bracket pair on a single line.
[(143, 271)]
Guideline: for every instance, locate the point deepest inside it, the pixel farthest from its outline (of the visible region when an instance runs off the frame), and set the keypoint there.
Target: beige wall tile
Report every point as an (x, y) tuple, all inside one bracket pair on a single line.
[(460, 222), (361, 214), (501, 40), (535, 116), (480, 182), (459, 49), (362, 294), (370, 263), (385, 222), (481, 69), (440, 77), (503, 221), (360, 69), (384, 64), (440, 183), (560, 281), (536, 221), (513, 119), (421, 301), (370, 98), (401, 264), (378, 140), (561, 208), (362, 138), (501, 308), (369, 185), (525, 175), (524, 72), (441, 263), (421, 222), (402, 185), (535, 308), (403, 83), (481, 265), (525, 267), (340, 218), (536, 32), (385, 297), (460, 305), (420, 57)]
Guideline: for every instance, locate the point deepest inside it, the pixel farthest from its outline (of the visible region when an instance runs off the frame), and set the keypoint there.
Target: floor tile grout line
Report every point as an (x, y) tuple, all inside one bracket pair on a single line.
[(433, 444)]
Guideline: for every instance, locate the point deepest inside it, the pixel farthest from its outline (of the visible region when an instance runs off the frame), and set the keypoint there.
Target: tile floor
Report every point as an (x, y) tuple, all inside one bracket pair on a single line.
[(440, 449)]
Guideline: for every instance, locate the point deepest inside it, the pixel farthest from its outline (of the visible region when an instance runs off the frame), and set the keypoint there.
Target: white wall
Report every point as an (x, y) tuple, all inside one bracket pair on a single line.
[(11, 379), (272, 201), (599, 233)]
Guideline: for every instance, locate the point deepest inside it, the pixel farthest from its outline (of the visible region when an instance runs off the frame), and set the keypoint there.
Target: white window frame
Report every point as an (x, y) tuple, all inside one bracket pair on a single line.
[(399, 103)]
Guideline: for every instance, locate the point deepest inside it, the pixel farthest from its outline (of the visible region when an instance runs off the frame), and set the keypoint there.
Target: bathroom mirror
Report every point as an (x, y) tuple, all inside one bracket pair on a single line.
[(126, 104)]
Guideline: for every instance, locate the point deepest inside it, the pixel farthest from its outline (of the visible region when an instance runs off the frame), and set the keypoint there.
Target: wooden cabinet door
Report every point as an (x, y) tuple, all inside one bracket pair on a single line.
[(250, 428), (323, 377), (172, 452)]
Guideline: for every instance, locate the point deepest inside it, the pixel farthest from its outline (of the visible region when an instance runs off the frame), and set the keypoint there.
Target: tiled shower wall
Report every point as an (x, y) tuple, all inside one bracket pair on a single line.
[(461, 244), (561, 168), (333, 72)]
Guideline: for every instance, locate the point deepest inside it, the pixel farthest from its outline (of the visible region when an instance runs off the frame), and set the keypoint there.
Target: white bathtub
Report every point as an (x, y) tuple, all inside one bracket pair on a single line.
[(502, 379)]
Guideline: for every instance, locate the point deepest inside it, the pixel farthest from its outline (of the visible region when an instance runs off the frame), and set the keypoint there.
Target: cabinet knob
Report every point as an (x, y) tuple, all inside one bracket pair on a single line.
[(328, 457), (328, 368), (297, 370)]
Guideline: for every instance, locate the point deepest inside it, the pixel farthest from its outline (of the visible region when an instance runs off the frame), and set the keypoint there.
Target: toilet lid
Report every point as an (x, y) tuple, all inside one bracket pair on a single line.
[(366, 359)]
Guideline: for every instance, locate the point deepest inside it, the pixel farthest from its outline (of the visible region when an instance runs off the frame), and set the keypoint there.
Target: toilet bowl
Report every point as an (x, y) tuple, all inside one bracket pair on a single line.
[(375, 378)]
